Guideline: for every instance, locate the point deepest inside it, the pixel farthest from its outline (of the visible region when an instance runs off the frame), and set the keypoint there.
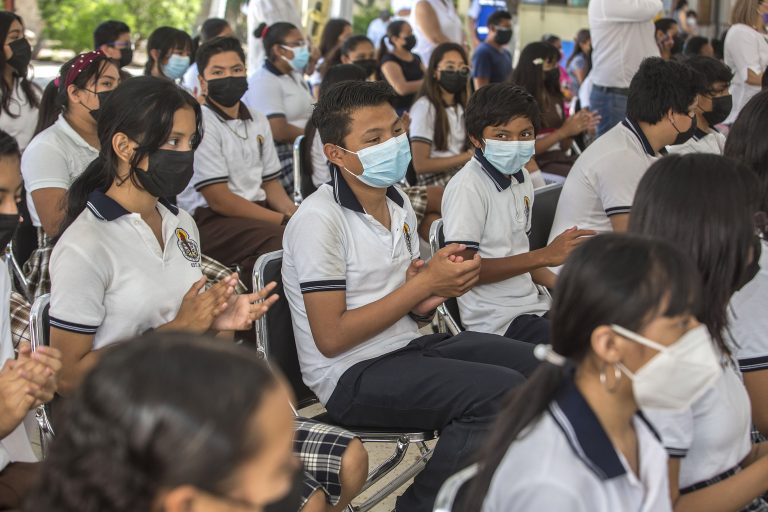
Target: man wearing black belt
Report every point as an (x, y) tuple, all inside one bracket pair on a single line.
[(622, 36)]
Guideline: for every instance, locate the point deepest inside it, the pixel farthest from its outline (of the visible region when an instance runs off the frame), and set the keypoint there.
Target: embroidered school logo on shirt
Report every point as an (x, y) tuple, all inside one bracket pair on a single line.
[(527, 209), (187, 246), (407, 233)]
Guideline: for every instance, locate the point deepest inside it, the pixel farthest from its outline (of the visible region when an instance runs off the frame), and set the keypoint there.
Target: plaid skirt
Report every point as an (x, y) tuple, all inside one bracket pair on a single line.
[(418, 198), (758, 505), (439, 179), (320, 448), (285, 155)]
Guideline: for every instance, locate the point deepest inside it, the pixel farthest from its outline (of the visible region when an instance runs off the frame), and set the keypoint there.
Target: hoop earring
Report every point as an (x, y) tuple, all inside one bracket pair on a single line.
[(616, 379)]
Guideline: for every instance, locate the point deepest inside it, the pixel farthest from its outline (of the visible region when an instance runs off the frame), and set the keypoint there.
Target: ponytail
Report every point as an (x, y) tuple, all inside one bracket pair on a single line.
[(50, 107), (96, 176), (273, 35), (393, 30)]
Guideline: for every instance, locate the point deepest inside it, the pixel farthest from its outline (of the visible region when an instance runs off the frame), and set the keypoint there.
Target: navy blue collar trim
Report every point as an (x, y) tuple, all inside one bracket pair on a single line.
[(272, 68), (586, 436), (699, 134), (501, 180), (346, 197), (106, 208), (243, 113), (635, 128)]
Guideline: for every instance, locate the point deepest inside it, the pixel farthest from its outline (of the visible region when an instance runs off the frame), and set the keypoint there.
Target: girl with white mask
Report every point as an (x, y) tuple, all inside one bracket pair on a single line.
[(573, 438), (713, 465)]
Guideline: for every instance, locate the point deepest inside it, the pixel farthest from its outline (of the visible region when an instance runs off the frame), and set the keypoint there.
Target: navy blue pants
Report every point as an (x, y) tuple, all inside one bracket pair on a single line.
[(529, 328)]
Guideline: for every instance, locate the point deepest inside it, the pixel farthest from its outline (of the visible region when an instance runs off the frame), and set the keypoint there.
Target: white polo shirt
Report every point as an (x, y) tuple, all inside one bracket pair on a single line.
[(701, 142), (749, 323), (239, 152), (491, 212), (321, 173), (714, 435), (745, 48), (623, 35), (332, 244), (603, 180), (54, 159), (110, 277), (566, 462), (422, 129), (15, 447), (276, 94), (21, 127)]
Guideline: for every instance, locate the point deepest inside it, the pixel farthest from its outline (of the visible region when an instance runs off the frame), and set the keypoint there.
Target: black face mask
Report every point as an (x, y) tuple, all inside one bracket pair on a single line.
[(410, 42), (22, 55), (552, 80), (369, 65), (721, 109), (126, 57), (683, 137), (754, 266), (8, 224), (453, 81), (503, 36), (168, 174), (227, 91), (95, 113)]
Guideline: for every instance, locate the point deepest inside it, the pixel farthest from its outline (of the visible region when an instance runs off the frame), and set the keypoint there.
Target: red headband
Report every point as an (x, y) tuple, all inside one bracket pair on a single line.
[(264, 32), (83, 61)]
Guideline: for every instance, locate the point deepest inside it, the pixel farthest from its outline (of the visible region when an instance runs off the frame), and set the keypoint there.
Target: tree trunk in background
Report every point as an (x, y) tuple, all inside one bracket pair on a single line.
[(30, 13)]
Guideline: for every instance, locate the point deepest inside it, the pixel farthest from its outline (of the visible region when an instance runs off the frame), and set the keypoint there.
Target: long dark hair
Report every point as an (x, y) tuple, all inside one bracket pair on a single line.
[(344, 50), (144, 421), (393, 30), (610, 279), (165, 40), (29, 89), (273, 35), (704, 205), (430, 88), (582, 36), (329, 39), (529, 73), (142, 108), (55, 98)]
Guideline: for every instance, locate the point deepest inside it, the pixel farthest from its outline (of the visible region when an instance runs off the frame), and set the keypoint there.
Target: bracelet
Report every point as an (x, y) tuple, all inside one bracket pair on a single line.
[(423, 319)]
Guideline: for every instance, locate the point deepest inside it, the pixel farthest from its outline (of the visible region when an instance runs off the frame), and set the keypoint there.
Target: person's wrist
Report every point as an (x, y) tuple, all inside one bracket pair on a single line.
[(421, 284)]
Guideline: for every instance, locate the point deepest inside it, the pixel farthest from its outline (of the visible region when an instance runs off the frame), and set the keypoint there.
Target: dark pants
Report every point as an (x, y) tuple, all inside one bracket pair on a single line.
[(16, 480), (529, 328), (451, 384), (612, 106)]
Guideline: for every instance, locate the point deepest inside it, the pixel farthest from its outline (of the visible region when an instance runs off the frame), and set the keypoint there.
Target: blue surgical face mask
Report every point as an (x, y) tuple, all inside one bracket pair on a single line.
[(176, 66), (509, 156), (384, 164), (300, 57)]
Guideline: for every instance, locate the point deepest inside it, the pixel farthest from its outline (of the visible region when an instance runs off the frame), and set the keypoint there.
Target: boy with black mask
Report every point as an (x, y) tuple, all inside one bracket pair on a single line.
[(492, 62)]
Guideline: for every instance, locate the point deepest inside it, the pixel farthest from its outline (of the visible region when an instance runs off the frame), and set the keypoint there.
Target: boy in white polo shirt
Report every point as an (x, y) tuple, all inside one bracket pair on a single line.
[(487, 206), (599, 190), (358, 291)]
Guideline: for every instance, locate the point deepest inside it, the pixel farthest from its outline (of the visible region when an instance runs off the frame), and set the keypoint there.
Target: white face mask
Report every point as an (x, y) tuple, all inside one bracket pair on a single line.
[(678, 375)]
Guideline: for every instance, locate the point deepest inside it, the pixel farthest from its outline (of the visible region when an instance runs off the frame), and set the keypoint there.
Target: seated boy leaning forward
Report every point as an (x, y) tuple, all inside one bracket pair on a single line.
[(487, 207), (358, 291)]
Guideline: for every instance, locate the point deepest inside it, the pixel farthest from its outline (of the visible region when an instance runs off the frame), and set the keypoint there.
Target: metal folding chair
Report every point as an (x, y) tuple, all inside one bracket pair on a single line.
[(274, 336), (18, 278), (298, 197), (450, 489), (448, 311), (543, 214), (40, 336)]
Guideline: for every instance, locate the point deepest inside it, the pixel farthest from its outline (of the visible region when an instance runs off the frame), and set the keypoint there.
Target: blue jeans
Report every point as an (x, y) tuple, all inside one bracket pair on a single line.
[(611, 106)]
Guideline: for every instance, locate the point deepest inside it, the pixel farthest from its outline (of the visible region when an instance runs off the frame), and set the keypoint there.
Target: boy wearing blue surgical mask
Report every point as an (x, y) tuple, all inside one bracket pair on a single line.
[(487, 206)]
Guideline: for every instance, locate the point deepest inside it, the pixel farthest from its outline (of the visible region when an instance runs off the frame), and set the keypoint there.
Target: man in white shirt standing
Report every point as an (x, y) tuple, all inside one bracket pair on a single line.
[(377, 28), (622, 36)]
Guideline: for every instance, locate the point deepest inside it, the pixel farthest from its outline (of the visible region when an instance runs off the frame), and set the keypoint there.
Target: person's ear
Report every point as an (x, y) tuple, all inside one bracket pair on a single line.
[(334, 154), (475, 142), (605, 344), (203, 85), (155, 54), (104, 48), (123, 147), (73, 94), (180, 499), (345, 60)]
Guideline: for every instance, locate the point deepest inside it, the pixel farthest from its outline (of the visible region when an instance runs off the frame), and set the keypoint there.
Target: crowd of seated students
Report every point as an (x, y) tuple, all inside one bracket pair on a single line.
[(603, 371)]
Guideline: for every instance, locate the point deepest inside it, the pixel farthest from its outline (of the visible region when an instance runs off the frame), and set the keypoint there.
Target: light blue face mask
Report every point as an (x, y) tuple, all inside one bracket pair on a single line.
[(384, 164), (300, 57), (509, 156), (176, 67)]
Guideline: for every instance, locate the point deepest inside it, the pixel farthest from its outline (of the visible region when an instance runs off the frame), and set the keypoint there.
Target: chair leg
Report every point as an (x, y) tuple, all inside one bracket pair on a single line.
[(401, 447)]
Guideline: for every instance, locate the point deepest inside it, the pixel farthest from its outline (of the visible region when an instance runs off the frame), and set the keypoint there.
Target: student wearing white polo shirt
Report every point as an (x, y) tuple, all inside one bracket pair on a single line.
[(599, 190), (713, 464), (235, 195), (622, 36), (712, 108), (487, 206), (358, 290), (278, 90), (574, 437)]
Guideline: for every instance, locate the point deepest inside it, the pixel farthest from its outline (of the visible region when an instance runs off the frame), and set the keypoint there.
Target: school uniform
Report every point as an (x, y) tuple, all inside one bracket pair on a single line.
[(490, 212), (397, 377), (744, 49), (566, 461), (422, 129), (241, 153), (22, 120), (278, 94), (701, 142), (749, 323)]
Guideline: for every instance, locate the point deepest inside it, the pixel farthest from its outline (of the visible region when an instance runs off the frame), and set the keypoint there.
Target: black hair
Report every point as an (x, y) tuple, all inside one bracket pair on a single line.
[(393, 30), (680, 4), (704, 205), (746, 142), (550, 38), (659, 86), (497, 104), (694, 45), (529, 73), (8, 146), (28, 88), (108, 32), (329, 39), (711, 70), (582, 36), (333, 111), (142, 108), (610, 279), (664, 24), (273, 35), (216, 46), (55, 98), (210, 29), (430, 88), (344, 50), (165, 40), (144, 421), (498, 16)]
